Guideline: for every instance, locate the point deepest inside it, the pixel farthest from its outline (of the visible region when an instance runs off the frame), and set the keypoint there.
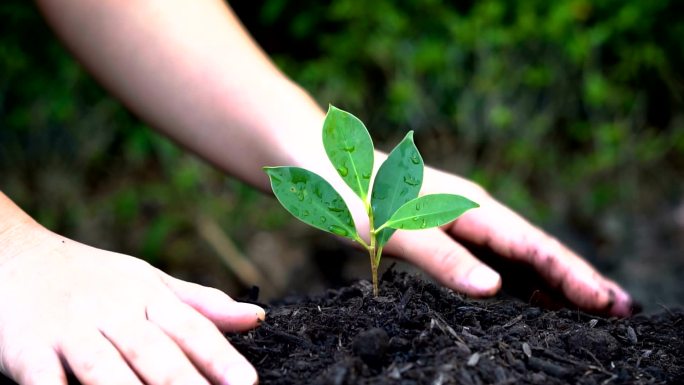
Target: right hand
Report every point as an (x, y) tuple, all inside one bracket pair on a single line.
[(111, 319)]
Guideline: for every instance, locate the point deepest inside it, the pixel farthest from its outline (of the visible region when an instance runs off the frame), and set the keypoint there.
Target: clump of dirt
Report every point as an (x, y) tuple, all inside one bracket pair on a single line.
[(419, 333)]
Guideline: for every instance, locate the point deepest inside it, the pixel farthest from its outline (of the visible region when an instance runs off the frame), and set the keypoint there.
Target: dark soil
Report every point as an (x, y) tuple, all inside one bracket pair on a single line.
[(419, 333)]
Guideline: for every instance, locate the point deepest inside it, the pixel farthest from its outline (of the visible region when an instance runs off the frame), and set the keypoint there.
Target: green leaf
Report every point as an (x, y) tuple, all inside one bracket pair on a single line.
[(349, 148), (398, 181), (430, 211), (312, 200)]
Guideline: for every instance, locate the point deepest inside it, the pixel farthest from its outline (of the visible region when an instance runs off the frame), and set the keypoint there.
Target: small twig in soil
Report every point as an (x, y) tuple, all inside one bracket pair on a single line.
[(287, 336), (548, 367), (556, 357), (667, 309), (594, 358), (612, 377), (512, 322)]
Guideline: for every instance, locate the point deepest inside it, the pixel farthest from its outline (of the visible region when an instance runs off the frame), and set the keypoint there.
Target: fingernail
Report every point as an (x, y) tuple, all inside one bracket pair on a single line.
[(261, 314), (249, 308), (484, 280), (623, 306)]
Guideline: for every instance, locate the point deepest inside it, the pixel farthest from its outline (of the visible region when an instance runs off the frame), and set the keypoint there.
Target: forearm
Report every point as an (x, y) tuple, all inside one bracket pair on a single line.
[(191, 71)]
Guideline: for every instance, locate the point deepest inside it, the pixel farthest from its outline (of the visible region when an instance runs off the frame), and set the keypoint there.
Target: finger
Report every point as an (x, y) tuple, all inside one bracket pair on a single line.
[(446, 260), (497, 227), (203, 343), (214, 304), (152, 354), (34, 364), (94, 360)]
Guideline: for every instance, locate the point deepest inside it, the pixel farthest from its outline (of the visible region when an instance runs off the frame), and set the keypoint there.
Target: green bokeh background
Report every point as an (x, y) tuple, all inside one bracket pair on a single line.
[(571, 112)]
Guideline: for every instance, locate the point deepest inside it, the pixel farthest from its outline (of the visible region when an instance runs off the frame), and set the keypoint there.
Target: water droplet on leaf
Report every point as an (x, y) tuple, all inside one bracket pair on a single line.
[(411, 180), (415, 159), (343, 171), (323, 219), (335, 229), (305, 213), (366, 175), (349, 148), (424, 224), (418, 207)]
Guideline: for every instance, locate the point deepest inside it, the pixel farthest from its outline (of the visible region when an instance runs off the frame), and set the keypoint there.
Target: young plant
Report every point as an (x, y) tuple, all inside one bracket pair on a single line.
[(393, 204)]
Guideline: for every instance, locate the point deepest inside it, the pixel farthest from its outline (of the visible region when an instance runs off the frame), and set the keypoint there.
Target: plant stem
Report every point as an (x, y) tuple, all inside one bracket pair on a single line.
[(374, 266), (374, 260)]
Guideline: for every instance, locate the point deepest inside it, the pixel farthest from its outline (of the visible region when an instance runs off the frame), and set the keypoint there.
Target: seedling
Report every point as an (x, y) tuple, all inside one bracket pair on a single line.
[(393, 203)]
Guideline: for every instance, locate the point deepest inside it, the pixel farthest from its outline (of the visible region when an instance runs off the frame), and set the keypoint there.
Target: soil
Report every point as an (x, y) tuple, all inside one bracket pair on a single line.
[(417, 332)]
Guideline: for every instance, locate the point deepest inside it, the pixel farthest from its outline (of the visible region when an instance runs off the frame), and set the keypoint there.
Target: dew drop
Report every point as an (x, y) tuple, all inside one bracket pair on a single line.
[(343, 171), (418, 207), (323, 219), (403, 192), (317, 191), (335, 209), (424, 224), (411, 181), (366, 175), (415, 158), (349, 148), (335, 229), (305, 213)]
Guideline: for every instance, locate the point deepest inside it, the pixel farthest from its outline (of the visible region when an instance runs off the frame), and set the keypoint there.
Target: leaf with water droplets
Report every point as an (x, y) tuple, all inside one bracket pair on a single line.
[(430, 211), (312, 200), (398, 181), (349, 148)]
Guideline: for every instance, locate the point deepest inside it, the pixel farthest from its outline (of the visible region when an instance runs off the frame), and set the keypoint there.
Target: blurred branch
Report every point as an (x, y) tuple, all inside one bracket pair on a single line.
[(247, 272)]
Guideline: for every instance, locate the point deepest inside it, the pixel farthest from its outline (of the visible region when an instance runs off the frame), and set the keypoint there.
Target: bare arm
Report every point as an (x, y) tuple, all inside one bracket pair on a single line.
[(191, 70)]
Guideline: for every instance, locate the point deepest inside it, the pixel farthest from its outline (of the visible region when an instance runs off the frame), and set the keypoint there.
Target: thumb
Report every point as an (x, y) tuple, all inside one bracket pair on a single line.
[(448, 262), (226, 313)]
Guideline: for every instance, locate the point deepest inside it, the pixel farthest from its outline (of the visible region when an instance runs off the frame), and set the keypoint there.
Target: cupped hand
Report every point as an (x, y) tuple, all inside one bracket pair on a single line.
[(493, 225), (112, 319)]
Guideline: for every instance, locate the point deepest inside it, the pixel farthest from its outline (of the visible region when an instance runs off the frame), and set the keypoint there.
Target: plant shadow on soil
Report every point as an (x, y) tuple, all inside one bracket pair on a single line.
[(417, 332)]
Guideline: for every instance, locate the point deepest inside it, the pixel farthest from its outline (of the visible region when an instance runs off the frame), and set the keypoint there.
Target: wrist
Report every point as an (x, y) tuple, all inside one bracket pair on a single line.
[(18, 231)]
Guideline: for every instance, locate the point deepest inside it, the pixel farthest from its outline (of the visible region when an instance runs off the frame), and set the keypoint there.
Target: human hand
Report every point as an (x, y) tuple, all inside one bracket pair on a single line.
[(493, 225), (111, 319)]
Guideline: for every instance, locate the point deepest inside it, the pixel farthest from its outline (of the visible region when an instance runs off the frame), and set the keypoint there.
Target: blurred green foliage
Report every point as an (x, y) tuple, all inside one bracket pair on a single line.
[(561, 107), (567, 110)]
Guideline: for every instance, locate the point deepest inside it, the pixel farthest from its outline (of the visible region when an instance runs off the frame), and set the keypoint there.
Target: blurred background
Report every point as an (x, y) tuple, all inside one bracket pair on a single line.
[(571, 112)]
